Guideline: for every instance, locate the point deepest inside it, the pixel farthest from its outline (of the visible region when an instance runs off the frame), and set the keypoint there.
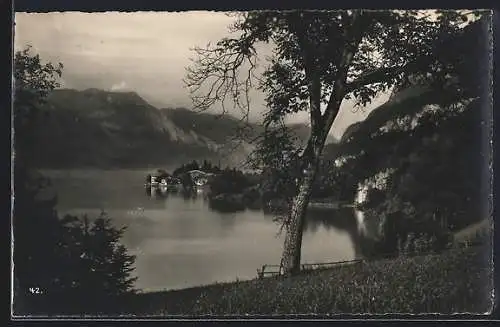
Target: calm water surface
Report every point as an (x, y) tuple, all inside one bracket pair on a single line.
[(182, 243)]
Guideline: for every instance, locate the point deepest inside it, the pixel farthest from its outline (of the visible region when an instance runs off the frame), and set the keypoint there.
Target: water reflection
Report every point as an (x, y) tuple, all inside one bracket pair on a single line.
[(368, 226), (192, 205), (180, 242), (324, 232), (362, 231), (189, 195), (336, 220), (163, 192)]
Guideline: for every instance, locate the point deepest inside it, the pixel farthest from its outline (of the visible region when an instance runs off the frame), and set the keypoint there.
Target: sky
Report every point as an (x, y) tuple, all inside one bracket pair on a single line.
[(145, 52)]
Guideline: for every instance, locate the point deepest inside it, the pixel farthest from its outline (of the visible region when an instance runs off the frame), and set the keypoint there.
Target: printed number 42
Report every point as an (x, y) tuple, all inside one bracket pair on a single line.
[(35, 290)]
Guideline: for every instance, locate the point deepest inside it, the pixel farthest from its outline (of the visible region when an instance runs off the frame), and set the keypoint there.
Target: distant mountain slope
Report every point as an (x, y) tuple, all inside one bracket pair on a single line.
[(109, 129), (218, 128), (222, 128), (96, 128), (358, 135)]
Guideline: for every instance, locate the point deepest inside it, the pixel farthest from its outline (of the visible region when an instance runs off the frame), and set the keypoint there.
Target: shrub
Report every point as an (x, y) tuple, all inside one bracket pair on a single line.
[(85, 272), (60, 265)]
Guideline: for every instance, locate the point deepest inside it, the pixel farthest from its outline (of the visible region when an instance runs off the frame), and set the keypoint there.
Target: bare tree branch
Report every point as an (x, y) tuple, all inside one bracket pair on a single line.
[(215, 75), (223, 74)]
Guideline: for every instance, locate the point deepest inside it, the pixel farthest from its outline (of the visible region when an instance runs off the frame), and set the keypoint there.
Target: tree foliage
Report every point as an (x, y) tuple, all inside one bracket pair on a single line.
[(277, 156), (67, 265), (33, 83), (434, 141), (206, 167), (229, 181), (101, 265), (437, 166), (468, 79), (320, 58)]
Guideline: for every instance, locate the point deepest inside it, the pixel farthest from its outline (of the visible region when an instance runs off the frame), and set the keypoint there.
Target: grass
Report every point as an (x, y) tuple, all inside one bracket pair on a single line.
[(456, 281)]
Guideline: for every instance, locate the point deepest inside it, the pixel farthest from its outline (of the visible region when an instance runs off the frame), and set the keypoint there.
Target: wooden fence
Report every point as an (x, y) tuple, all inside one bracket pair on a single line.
[(275, 270)]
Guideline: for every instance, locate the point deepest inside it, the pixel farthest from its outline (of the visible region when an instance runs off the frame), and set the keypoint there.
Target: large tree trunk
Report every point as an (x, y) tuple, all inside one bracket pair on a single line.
[(290, 261), (320, 127)]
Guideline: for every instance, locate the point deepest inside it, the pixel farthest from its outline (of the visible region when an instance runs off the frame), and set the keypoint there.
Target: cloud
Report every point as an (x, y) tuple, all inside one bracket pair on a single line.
[(148, 50)]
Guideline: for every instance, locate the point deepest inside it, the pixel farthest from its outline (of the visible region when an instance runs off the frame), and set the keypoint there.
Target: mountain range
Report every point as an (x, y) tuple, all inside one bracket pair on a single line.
[(97, 128)]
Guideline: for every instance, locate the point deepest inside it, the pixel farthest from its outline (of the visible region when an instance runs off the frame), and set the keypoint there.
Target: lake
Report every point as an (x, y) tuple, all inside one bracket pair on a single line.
[(180, 242)]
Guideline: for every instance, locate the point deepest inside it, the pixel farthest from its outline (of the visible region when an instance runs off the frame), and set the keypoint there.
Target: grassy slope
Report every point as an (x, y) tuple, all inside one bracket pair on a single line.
[(454, 281)]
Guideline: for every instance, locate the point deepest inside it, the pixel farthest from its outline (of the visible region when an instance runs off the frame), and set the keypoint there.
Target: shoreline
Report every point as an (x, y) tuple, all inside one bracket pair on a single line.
[(329, 205)]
